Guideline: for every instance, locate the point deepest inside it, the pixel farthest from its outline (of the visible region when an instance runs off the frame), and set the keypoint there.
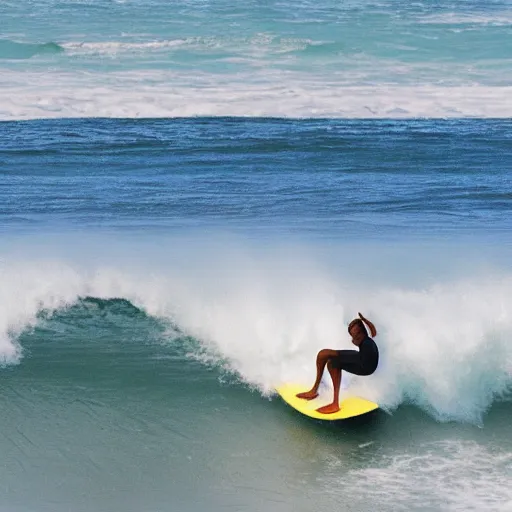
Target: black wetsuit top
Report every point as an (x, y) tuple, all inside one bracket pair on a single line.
[(369, 354), (362, 362)]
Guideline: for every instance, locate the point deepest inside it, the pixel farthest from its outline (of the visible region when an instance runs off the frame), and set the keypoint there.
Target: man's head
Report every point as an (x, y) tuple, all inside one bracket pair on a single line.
[(358, 331)]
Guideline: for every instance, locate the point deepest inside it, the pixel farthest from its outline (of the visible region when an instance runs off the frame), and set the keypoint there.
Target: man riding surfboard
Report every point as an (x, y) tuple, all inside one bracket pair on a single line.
[(359, 362)]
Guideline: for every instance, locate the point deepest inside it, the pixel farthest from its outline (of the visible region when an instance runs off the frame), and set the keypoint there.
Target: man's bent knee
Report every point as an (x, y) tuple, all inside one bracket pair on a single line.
[(326, 354)]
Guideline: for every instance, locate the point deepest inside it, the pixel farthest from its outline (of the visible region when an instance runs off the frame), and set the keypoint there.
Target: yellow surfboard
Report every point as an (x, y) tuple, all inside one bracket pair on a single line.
[(349, 407)]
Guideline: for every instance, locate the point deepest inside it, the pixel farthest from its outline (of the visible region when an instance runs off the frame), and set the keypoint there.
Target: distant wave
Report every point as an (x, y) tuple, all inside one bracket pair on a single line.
[(92, 307), (112, 47), (454, 18), (256, 44), (15, 50)]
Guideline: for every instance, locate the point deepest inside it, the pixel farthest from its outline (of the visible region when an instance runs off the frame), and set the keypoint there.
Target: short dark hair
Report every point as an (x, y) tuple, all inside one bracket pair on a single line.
[(359, 322), (363, 323)]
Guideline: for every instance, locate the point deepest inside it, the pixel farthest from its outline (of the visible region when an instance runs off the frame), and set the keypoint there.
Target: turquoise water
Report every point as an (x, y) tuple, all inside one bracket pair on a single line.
[(302, 59)]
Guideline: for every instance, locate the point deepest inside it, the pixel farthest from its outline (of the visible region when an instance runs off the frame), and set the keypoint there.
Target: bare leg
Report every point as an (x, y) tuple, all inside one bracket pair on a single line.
[(321, 360), (336, 381)]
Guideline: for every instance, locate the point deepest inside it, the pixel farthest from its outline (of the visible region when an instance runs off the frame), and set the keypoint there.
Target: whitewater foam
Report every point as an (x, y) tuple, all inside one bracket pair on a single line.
[(159, 94), (257, 45), (499, 19), (446, 475), (26, 291)]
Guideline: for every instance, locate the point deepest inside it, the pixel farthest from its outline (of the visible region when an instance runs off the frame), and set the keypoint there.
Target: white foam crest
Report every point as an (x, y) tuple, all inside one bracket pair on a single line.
[(114, 47), (155, 94), (445, 348), (447, 475), (503, 18), (255, 45), (27, 290), (448, 345)]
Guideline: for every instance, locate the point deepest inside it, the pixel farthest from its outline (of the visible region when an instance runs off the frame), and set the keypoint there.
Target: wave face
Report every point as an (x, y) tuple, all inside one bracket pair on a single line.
[(358, 59), (14, 50)]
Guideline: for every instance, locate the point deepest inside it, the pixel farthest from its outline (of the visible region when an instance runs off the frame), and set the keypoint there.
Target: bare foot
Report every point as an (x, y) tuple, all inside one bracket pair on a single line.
[(308, 395), (329, 409)]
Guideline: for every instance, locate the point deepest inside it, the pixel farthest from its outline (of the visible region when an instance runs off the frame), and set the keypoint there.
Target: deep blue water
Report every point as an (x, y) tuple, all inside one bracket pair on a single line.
[(331, 177)]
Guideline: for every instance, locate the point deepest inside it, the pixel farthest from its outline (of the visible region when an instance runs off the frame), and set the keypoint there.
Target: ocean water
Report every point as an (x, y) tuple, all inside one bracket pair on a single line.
[(196, 197)]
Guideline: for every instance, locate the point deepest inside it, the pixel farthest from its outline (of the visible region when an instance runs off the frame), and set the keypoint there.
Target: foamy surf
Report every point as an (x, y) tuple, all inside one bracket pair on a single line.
[(170, 95), (445, 475), (500, 18), (256, 45)]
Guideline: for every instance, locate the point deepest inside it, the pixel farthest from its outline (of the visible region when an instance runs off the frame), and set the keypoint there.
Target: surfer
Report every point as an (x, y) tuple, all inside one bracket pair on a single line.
[(362, 362)]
